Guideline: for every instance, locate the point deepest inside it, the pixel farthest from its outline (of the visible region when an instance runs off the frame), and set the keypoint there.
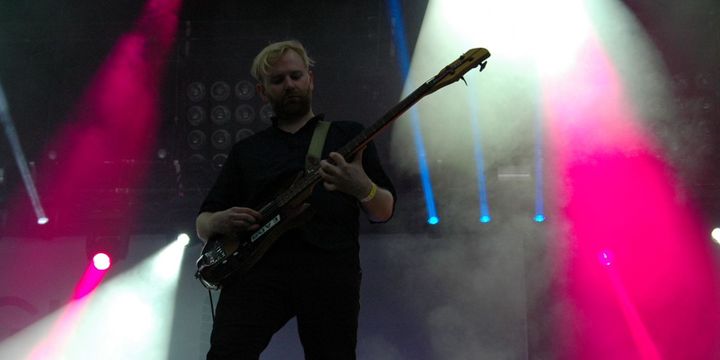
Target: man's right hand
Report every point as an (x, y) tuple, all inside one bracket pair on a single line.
[(227, 222), (235, 219)]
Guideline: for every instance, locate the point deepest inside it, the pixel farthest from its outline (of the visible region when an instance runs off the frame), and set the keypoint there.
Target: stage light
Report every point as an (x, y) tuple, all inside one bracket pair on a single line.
[(196, 115), (244, 90), (43, 220), (218, 160), (196, 139), (221, 139), (485, 219), (539, 218), (28, 174), (605, 258), (196, 91), (220, 91), (715, 234), (220, 115), (403, 57), (101, 261), (244, 114), (183, 239), (103, 251)]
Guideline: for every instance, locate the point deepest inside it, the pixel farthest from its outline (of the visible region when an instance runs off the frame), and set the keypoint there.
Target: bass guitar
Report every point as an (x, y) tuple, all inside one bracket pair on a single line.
[(223, 256)]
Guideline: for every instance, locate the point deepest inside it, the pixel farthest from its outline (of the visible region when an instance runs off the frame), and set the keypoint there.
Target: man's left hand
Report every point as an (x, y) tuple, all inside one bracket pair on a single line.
[(348, 177)]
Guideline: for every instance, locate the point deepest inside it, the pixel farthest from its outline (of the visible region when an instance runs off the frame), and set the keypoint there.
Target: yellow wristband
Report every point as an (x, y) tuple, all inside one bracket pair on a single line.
[(371, 195)]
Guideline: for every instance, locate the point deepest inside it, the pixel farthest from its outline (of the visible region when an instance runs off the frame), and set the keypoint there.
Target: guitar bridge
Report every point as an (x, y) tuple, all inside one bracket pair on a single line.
[(215, 255)]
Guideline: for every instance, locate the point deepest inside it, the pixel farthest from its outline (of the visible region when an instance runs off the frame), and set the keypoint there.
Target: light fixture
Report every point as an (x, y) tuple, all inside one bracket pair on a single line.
[(106, 249), (220, 91), (244, 90), (218, 161), (221, 139), (196, 139), (196, 91), (220, 115), (196, 115), (244, 114)]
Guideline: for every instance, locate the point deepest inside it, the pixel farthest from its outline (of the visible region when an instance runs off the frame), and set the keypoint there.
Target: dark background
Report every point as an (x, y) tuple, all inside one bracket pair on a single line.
[(50, 50)]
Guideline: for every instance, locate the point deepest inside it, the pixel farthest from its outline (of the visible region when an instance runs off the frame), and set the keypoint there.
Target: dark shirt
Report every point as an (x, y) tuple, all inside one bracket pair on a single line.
[(261, 166)]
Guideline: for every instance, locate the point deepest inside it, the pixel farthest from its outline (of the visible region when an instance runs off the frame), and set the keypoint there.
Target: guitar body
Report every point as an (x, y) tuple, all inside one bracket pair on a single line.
[(224, 256)]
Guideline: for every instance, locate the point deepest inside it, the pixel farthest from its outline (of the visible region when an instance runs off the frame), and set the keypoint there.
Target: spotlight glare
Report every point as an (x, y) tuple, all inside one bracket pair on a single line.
[(485, 219), (605, 257), (539, 218), (183, 239), (43, 220), (433, 220), (716, 234), (101, 261)]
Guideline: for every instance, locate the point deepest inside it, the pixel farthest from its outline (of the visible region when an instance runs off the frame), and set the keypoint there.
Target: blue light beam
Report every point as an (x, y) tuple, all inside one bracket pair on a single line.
[(14, 141), (479, 158), (403, 54)]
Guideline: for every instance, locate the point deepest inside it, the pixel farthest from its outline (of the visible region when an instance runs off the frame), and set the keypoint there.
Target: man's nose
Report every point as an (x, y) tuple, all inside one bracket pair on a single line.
[(289, 83)]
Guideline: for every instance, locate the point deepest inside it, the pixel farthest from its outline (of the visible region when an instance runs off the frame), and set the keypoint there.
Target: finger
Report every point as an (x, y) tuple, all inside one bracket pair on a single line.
[(338, 159), (329, 186), (256, 214), (246, 211), (328, 170), (249, 227), (246, 218)]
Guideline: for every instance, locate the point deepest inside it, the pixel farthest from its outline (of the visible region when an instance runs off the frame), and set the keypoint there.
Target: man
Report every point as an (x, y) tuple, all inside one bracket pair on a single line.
[(312, 272)]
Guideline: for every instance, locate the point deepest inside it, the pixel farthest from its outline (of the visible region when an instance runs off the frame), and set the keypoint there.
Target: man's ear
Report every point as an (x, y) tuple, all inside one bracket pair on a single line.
[(260, 89)]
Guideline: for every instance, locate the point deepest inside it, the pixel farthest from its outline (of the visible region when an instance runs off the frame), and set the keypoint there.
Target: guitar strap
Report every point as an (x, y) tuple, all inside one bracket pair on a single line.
[(312, 159)]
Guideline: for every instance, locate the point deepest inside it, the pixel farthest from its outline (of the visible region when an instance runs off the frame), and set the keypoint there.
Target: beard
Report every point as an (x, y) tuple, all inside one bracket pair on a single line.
[(292, 105)]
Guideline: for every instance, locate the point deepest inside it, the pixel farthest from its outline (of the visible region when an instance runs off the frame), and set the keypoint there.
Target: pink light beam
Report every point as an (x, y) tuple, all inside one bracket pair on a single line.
[(615, 191)]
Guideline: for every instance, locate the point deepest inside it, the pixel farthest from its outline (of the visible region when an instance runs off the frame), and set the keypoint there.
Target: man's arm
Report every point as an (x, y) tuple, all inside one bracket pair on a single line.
[(232, 220), (378, 204), (350, 178)]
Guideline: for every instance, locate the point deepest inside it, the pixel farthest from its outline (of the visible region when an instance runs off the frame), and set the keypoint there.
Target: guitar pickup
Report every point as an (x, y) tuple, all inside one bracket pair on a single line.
[(215, 255), (265, 228)]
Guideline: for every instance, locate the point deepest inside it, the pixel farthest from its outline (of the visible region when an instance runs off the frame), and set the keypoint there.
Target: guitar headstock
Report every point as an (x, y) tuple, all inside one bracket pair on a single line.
[(455, 71)]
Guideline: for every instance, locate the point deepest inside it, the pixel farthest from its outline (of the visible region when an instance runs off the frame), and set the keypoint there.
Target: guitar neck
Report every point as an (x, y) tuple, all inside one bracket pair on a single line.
[(447, 75), (362, 139)]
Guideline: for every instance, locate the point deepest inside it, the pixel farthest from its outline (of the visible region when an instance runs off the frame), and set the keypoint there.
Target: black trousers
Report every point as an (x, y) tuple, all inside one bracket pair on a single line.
[(294, 279)]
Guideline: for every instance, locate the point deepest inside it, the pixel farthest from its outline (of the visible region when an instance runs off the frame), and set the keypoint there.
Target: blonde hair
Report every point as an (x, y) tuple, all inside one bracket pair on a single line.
[(271, 53)]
